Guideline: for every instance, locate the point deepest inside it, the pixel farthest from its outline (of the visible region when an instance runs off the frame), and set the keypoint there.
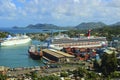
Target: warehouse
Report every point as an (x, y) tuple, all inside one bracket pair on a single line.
[(57, 56)]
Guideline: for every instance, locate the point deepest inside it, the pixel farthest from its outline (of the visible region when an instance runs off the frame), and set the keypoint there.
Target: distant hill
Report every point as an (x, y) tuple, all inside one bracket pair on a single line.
[(116, 24), (81, 26), (16, 27), (42, 26), (90, 25)]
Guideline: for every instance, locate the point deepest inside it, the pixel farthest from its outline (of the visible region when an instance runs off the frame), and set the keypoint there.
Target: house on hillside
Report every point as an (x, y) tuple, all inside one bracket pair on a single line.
[(116, 42)]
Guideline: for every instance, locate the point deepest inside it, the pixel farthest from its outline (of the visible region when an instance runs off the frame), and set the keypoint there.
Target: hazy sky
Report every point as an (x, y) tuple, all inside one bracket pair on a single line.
[(58, 12)]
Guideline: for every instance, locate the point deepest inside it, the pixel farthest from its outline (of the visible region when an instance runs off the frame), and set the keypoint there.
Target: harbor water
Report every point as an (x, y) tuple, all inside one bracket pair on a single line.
[(17, 56), (16, 31)]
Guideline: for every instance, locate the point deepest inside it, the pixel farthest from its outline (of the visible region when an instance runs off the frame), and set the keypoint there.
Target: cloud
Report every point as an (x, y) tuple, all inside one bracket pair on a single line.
[(22, 1), (65, 11), (7, 9), (113, 3), (77, 1)]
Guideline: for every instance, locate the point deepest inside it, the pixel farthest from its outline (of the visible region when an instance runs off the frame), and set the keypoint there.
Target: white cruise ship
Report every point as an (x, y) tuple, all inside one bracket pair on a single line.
[(20, 39), (63, 41)]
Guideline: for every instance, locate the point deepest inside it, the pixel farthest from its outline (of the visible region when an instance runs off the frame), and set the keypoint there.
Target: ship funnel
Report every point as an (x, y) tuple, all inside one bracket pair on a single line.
[(88, 34)]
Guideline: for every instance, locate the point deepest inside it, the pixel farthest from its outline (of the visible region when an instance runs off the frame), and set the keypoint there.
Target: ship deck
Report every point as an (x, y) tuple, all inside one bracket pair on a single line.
[(60, 41)]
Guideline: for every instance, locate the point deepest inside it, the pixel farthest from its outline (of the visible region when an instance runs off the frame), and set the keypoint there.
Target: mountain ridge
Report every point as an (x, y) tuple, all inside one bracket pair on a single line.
[(90, 25), (82, 26)]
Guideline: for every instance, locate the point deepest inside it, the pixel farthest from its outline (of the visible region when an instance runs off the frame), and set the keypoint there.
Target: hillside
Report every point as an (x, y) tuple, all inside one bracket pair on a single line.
[(116, 24), (42, 26), (90, 25), (81, 26)]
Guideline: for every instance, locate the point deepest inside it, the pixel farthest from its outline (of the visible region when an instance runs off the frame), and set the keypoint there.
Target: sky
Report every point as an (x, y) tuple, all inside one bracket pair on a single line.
[(59, 12)]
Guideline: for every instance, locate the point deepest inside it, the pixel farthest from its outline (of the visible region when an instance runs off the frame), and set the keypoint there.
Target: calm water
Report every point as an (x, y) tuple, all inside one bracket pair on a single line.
[(17, 56), (10, 30)]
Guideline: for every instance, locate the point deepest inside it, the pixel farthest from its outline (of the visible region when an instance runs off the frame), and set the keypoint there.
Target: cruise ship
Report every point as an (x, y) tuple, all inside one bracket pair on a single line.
[(19, 39), (63, 41)]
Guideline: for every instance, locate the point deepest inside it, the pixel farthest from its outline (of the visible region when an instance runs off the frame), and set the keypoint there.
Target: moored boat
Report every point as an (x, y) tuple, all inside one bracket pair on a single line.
[(19, 39), (35, 51), (61, 41)]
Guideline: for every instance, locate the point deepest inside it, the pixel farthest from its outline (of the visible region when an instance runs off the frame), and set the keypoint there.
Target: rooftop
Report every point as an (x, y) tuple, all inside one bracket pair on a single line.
[(62, 53), (53, 53)]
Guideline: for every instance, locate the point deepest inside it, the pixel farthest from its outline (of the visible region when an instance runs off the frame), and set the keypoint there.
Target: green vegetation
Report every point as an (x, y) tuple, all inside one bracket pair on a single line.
[(64, 74), (34, 75), (90, 25), (51, 77), (39, 36), (108, 64), (3, 34), (3, 77), (107, 31), (115, 74), (88, 75), (97, 65)]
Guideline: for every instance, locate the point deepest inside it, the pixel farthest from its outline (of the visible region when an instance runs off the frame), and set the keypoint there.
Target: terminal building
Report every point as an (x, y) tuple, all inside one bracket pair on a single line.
[(57, 56)]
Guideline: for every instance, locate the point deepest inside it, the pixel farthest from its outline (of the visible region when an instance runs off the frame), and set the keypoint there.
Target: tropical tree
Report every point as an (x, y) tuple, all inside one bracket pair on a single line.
[(3, 34), (3, 77), (109, 63), (34, 75), (96, 65), (64, 74), (92, 76), (51, 77)]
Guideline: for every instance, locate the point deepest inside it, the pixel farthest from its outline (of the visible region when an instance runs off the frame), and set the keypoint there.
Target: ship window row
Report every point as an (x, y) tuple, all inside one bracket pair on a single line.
[(71, 41), (77, 44), (16, 39)]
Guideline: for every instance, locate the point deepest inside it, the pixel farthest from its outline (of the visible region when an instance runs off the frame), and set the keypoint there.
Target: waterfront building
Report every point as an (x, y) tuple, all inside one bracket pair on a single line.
[(57, 56)]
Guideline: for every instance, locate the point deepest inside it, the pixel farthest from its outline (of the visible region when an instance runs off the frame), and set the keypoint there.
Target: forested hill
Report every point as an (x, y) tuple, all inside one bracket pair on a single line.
[(42, 26), (81, 26), (90, 25)]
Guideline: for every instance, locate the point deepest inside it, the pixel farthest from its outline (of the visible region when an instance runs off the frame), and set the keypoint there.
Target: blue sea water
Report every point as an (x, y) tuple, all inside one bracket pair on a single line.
[(15, 31), (17, 55)]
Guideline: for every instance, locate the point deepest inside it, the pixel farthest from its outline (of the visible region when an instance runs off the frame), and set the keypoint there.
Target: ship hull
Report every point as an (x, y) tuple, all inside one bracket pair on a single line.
[(34, 56), (15, 42)]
